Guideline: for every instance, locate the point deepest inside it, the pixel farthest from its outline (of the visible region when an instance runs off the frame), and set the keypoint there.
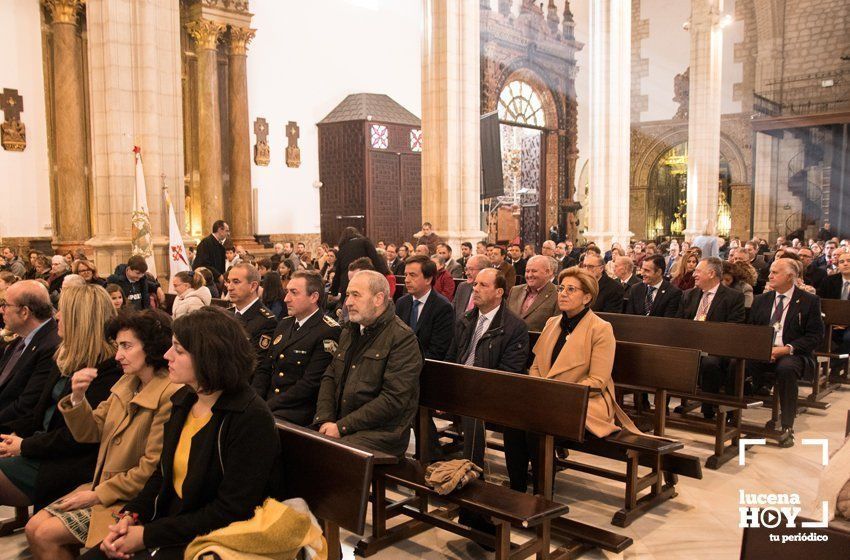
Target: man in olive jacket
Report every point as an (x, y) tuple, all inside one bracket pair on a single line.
[(370, 392)]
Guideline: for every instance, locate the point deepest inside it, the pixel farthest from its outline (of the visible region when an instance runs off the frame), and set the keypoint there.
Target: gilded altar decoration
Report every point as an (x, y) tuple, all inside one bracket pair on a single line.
[(13, 133), (293, 152), (262, 154)]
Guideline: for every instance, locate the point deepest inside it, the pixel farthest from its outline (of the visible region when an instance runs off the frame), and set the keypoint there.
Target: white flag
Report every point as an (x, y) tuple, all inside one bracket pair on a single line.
[(177, 258), (141, 224)]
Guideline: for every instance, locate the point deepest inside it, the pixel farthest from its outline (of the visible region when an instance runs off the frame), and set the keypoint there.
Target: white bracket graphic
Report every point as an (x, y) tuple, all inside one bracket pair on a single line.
[(824, 452), (742, 448)]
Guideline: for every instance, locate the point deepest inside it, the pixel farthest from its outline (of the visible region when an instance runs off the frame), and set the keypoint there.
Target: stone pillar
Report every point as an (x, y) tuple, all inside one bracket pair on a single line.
[(766, 181), (135, 99), (72, 225), (610, 109), (206, 34), (704, 116), (741, 205), (241, 215), (451, 156)]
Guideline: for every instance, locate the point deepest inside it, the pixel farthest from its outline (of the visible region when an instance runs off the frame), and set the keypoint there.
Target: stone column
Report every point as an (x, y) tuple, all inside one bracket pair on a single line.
[(741, 205), (704, 116), (72, 225), (610, 110), (766, 181), (206, 34), (451, 156), (241, 216)]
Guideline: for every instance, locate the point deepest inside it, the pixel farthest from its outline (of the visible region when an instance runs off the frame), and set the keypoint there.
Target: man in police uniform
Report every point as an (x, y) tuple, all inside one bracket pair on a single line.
[(243, 287), (289, 374)]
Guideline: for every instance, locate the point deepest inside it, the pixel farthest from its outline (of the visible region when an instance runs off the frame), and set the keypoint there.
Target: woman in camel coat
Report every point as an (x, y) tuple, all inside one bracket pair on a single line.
[(128, 426)]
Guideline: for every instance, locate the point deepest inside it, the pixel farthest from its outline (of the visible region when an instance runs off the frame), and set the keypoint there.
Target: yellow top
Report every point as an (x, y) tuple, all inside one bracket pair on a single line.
[(192, 426)]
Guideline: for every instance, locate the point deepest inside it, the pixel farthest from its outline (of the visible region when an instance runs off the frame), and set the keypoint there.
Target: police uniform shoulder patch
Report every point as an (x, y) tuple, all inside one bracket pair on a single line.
[(329, 322), (330, 345), (265, 341), (267, 314)]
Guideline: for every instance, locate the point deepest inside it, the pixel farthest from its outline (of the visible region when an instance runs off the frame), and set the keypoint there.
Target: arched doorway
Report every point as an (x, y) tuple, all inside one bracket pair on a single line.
[(667, 195)]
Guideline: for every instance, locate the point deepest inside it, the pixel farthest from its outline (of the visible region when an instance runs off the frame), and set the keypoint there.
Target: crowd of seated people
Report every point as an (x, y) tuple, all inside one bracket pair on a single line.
[(126, 415)]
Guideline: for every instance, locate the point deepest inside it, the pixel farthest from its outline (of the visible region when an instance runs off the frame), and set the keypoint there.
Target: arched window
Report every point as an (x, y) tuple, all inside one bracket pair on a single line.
[(519, 103)]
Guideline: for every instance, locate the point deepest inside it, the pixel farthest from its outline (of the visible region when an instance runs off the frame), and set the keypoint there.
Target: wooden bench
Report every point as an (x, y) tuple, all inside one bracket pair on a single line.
[(510, 400), (660, 369), (19, 521), (756, 544), (737, 342), (836, 313), (332, 477)]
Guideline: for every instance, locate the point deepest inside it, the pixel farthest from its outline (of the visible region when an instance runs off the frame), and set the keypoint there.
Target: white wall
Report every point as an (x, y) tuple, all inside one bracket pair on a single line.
[(24, 176), (306, 57)]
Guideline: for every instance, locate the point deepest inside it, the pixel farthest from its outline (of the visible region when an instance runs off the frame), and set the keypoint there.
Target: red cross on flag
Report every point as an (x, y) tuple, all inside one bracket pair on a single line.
[(178, 260)]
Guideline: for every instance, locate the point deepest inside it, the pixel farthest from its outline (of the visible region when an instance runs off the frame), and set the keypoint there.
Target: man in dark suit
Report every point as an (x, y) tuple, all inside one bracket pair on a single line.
[(453, 268), (610, 298), (210, 253), (516, 259), (710, 300), (289, 374), (465, 253), (813, 275), (624, 269), (796, 318), (498, 259), (27, 361), (426, 311), (243, 284), (837, 286), (393, 260), (462, 301), (655, 297)]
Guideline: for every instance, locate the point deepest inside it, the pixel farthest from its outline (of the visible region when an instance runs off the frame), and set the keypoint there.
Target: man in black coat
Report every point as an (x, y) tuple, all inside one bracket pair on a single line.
[(243, 284), (210, 252), (424, 310), (289, 374), (655, 297), (710, 300), (813, 275), (611, 292), (352, 246), (837, 286), (27, 361), (796, 318)]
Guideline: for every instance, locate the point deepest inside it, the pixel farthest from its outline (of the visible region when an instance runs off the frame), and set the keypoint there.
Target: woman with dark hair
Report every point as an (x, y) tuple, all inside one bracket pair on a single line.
[(220, 427), (273, 293), (353, 246), (284, 271), (128, 427), (209, 282), (740, 276)]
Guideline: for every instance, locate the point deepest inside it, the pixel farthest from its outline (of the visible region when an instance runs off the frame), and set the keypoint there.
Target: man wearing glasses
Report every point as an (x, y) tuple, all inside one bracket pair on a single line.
[(611, 293), (27, 361), (463, 293)]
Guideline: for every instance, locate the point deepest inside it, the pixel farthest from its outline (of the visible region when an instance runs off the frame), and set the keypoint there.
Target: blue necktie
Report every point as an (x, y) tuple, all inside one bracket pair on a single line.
[(414, 314)]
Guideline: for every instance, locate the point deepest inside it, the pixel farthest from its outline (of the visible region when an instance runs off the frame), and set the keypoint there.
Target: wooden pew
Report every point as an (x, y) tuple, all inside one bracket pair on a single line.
[(507, 399), (332, 477), (223, 303), (737, 342), (756, 543), (835, 313), (169, 302), (9, 526)]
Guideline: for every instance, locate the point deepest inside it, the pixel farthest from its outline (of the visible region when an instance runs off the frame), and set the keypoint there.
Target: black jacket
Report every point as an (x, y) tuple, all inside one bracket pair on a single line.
[(831, 287), (259, 323), (230, 464), (65, 464), (727, 305), (289, 374), (433, 326), (665, 304), (814, 276), (610, 298), (503, 346), (210, 254), (22, 390), (350, 251), (803, 327), (133, 291)]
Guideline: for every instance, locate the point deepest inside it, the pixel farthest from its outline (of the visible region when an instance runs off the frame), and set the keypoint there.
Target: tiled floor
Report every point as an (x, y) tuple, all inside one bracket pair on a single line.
[(700, 523)]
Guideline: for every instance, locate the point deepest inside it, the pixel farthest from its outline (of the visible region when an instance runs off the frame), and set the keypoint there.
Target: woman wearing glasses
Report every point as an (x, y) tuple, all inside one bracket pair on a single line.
[(88, 271)]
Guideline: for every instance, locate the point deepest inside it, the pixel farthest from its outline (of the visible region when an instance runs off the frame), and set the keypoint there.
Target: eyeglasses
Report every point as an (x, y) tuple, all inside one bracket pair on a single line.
[(583, 265), (569, 289), (4, 305)]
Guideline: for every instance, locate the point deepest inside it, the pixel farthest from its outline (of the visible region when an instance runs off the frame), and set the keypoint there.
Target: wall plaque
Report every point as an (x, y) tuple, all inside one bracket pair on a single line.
[(262, 154), (293, 152), (13, 133)]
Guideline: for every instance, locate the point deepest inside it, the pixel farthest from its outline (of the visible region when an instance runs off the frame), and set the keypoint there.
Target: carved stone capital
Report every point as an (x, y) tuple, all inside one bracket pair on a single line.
[(64, 11), (206, 33), (239, 39)]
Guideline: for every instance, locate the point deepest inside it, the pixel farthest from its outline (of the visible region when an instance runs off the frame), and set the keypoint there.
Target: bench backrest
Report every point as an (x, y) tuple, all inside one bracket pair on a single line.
[(506, 399), (729, 340), (169, 302), (223, 303), (659, 367), (835, 311), (333, 478), (757, 543)]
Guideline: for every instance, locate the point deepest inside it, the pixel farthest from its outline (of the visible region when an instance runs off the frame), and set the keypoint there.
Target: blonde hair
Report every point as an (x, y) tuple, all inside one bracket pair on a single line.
[(589, 284), (85, 311)]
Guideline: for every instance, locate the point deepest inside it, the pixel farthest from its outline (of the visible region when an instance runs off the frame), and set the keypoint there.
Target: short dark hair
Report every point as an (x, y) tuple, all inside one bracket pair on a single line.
[(501, 282), (151, 326), (466, 244), (447, 246), (137, 263), (429, 269), (313, 281), (501, 248), (517, 245), (363, 263), (265, 263), (426, 224), (218, 343), (658, 262), (218, 224)]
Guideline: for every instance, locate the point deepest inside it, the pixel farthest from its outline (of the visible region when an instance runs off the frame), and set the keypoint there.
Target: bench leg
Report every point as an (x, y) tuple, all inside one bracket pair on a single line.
[(503, 540), (331, 531), (9, 526), (379, 507), (636, 507), (544, 536)]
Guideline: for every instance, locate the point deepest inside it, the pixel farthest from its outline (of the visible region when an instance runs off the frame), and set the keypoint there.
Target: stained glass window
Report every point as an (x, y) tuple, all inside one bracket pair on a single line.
[(415, 140), (380, 137), (520, 104)]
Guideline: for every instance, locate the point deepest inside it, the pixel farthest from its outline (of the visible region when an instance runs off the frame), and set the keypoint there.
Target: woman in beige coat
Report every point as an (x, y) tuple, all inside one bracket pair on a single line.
[(578, 347), (128, 425)]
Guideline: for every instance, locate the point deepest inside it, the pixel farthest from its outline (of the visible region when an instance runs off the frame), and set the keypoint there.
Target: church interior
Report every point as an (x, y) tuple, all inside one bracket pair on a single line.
[(613, 123)]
